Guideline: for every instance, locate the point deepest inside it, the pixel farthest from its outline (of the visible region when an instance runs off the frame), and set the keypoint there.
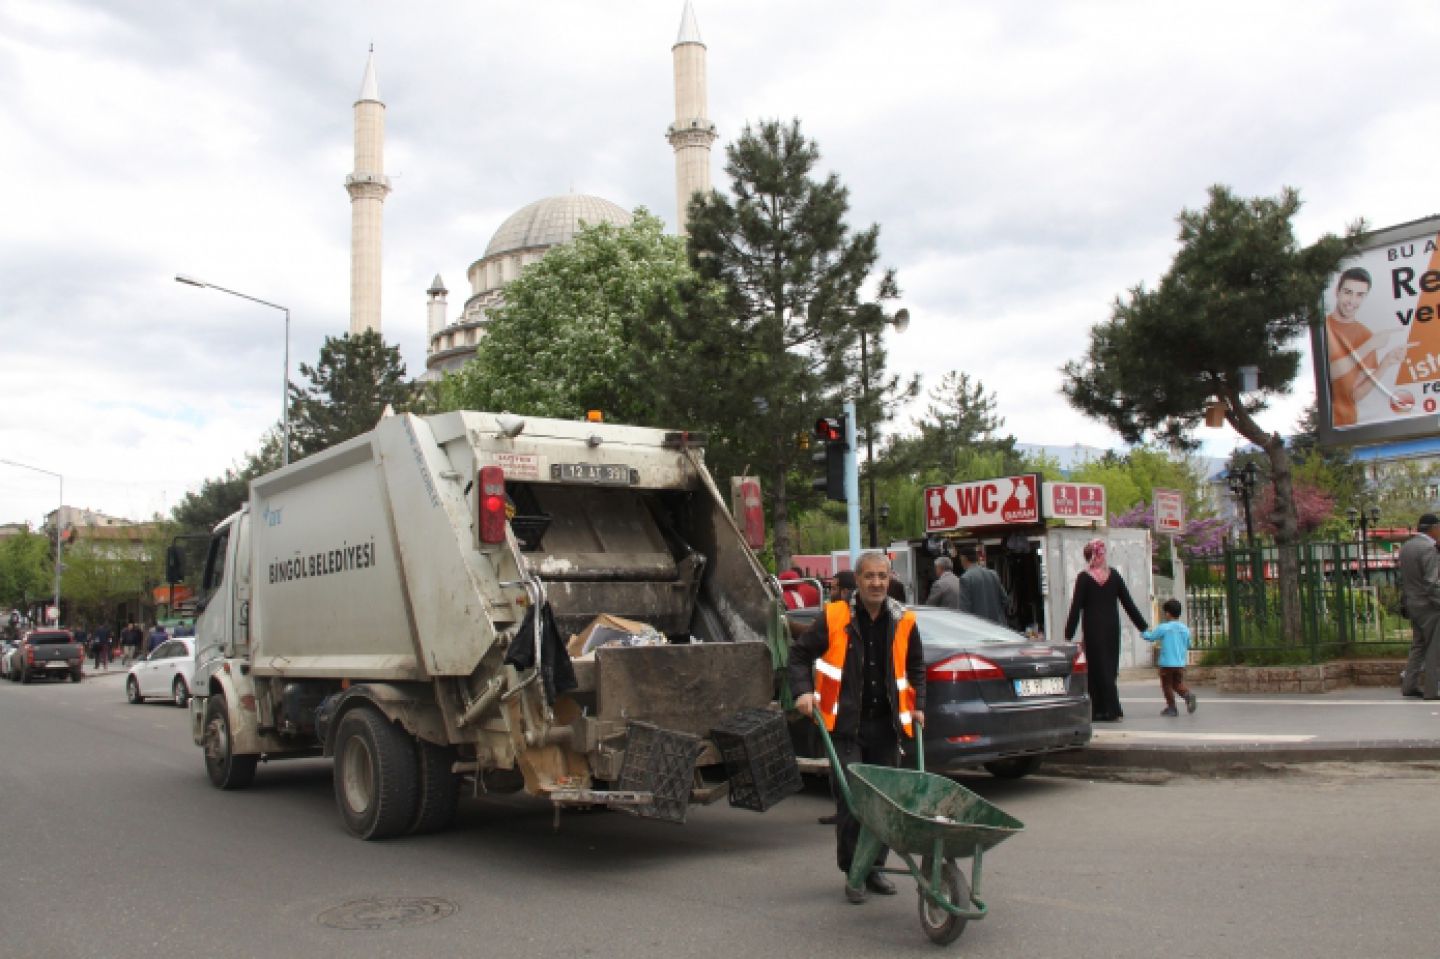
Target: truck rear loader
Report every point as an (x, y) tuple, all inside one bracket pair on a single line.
[(401, 603)]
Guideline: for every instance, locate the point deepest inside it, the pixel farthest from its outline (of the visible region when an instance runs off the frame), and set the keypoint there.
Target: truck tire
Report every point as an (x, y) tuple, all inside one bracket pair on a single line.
[(439, 789), (226, 769), (76, 675), (374, 775)]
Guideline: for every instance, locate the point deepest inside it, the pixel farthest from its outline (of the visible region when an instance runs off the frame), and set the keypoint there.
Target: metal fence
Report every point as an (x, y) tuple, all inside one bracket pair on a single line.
[(1349, 606)]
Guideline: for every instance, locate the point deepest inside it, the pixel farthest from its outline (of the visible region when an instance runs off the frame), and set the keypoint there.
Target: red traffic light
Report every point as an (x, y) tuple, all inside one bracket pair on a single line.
[(829, 429)]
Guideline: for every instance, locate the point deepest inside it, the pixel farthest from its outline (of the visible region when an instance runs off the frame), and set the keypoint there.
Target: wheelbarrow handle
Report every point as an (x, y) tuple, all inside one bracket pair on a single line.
[(838, 771)]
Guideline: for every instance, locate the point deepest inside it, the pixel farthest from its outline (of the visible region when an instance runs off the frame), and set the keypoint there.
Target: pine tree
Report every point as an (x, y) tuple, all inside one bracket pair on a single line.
[(353, 381), (766, 340)]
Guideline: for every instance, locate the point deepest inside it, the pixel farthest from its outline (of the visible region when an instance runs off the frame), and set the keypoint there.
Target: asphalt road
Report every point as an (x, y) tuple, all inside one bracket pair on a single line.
[(113, 844)]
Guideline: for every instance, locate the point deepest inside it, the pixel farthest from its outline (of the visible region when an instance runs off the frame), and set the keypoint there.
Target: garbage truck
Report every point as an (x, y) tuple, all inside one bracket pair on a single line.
[(422, 604)]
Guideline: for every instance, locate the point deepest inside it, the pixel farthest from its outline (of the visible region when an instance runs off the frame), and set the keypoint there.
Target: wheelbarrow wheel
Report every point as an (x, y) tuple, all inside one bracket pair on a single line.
[(940, 926)]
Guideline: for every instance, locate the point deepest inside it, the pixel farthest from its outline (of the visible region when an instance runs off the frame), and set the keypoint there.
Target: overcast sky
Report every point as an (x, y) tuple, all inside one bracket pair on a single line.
[(1025, 163)]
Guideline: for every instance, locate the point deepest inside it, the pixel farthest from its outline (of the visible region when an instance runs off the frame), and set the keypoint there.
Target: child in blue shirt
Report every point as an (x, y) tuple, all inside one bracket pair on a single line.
[(1174, 639)]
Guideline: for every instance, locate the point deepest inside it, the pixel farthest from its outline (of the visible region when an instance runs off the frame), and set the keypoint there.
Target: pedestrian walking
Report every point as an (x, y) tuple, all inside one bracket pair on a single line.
[(862, 667), (981, 591), (945, 591), (1093, 608), (1174, 639), (1420, 594), (131, 640), (157, 636), (102, 646)]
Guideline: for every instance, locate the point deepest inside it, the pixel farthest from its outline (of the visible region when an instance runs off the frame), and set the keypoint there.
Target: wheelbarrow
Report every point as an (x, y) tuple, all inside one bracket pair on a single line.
[(917, 813)]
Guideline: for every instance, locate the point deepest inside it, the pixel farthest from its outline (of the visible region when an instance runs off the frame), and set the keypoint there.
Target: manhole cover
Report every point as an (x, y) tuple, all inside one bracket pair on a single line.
[(393, 913)]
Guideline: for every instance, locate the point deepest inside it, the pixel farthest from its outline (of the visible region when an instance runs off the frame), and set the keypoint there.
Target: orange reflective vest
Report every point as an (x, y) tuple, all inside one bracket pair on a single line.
[(830, 668)]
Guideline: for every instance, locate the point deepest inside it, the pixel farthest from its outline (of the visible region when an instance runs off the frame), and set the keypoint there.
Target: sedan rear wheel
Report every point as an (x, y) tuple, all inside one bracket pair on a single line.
[(1014, 768)]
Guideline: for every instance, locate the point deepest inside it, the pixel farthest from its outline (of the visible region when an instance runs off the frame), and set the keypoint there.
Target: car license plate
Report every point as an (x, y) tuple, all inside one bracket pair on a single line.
[(57, 665), (600, 474), (1044, 686)]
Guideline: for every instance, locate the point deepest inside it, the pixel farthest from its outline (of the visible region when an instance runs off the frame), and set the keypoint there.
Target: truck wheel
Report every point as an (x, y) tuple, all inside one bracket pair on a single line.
[(374, 775), (227, 770), (76, 675), (439, 790), (180, 693)]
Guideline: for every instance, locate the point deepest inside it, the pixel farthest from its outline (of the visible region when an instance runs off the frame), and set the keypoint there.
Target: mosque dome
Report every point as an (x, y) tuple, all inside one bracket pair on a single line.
[(553, 221)]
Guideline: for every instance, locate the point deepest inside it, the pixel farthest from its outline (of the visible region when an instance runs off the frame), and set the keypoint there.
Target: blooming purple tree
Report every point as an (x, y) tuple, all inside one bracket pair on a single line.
[(1200, 537)]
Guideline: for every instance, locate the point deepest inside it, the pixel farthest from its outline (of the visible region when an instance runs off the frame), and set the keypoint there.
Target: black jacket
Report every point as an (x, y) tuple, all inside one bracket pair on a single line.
[(811, 645)]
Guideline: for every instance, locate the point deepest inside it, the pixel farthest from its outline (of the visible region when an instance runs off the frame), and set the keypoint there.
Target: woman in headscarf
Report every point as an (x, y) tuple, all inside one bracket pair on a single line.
[(1098, 589)]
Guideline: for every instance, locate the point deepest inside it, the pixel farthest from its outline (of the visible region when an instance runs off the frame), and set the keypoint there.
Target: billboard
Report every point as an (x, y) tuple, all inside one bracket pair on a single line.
[(1004, 501), (1377, 353)]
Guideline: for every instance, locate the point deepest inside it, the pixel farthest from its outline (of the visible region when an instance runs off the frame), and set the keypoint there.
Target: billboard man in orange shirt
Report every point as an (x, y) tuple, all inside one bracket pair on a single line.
[(1353, 351)]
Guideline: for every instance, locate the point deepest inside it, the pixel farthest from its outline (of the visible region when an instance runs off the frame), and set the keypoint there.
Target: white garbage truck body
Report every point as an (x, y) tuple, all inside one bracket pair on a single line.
[(370, 604)]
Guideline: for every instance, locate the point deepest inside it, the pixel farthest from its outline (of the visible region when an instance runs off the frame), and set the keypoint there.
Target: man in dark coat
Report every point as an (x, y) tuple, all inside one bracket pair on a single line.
[(945, 591), (1420, 591), (870, 710), (981, 591)]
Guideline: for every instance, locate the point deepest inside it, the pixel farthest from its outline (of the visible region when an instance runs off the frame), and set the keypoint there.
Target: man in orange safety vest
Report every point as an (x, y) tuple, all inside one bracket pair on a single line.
[(861, 668)]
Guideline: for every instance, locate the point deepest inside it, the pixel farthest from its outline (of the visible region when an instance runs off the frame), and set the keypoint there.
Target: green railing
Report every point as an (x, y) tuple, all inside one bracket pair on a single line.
[(1348, 608)]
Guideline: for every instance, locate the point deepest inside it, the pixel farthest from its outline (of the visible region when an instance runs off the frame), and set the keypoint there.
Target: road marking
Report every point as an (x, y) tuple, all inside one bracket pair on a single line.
[(1108, 735)]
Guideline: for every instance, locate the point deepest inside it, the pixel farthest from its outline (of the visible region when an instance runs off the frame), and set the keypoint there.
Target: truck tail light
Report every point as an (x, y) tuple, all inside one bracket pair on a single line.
[(492, 504), (962, 668), (1082, 666)]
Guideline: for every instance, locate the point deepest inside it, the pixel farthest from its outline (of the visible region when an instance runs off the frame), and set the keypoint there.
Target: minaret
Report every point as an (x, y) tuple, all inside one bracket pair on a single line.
[(367, 187), (435, 311), (692, 132)]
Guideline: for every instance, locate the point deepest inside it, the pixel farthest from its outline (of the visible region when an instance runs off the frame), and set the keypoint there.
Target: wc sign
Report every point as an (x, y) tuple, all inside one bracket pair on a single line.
[(1006, 501)]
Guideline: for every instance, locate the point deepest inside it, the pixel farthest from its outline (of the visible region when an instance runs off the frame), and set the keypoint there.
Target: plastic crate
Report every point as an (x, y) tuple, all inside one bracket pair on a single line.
[(759, 758), (662, 762)]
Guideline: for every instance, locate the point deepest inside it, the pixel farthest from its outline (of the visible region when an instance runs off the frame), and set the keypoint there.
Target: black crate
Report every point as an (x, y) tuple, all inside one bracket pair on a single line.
[(662, 762), (759, 758)]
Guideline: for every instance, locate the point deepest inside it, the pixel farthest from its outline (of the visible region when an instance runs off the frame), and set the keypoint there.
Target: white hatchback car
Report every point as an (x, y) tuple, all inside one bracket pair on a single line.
[(167, 672)]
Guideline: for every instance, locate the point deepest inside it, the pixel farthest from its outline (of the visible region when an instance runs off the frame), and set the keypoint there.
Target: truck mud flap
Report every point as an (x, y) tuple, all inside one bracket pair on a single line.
[(682, 688)]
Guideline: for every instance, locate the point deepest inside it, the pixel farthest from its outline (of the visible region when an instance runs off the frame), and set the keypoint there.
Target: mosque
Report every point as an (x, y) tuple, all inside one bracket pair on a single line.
[(527, 234)]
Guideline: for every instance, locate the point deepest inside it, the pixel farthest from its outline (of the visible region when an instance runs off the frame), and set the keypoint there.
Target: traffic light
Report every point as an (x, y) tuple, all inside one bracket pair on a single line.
[(830, 431)]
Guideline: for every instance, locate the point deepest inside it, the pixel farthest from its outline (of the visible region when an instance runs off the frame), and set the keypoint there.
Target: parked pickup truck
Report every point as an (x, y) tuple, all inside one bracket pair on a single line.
[(46, 652)]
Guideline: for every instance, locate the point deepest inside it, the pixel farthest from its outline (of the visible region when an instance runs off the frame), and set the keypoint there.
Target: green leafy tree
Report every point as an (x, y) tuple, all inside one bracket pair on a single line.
[(26, 569), (563, 342), (1239, 292), (350, 385), (768, 337)]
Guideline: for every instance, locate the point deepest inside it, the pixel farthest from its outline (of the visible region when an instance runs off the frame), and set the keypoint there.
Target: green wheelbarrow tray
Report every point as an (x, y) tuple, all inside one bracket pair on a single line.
[(917, 813)]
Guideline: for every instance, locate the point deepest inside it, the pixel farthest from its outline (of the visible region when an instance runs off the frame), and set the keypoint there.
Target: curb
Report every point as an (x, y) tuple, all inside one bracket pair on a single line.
[(1207, 759)]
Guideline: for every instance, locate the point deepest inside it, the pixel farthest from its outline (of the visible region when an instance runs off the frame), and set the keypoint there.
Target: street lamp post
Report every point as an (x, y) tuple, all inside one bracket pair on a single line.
[(1364, 520), (900, 321), (59, 509), (1242, 487), (285, 388)]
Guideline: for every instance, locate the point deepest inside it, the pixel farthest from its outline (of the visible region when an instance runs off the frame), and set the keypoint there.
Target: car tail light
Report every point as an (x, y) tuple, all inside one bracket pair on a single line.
[(492, 504), (1081, 667), (29, 654), (964, 667)]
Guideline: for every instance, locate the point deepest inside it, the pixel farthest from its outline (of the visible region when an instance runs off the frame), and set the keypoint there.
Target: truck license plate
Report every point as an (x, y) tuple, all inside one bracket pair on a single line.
[(600, 474), (57, 665), (1045, 686)]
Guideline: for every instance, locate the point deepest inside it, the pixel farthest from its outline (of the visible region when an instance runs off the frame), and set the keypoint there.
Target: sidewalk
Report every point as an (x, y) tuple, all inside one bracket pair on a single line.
[(1235, 731)]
